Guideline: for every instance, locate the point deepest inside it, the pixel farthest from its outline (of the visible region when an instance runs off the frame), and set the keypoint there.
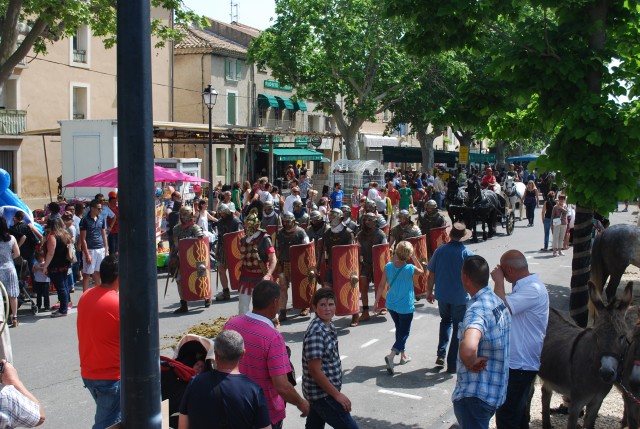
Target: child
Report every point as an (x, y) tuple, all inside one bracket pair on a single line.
[(400, 298), (322, 369), (41, 282)]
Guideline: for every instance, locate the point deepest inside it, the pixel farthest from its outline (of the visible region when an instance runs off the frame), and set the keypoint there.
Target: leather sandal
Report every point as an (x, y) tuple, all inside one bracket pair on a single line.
[(354, 320), (304, 312), (225, 295)]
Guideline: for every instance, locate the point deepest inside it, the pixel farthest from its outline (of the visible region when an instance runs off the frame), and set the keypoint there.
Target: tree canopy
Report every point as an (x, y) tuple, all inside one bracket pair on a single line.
[(342, 54), (34, 24)]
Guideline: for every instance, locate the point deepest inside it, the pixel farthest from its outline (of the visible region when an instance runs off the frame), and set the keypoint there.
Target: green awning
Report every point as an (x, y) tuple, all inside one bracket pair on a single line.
[(414, 155), (300, 105), (294, 154), (482, 157), (285, 103), (266, 100)]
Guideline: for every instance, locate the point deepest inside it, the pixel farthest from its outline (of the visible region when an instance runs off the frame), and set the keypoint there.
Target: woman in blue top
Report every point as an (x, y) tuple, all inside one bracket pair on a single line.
[(400, 297)]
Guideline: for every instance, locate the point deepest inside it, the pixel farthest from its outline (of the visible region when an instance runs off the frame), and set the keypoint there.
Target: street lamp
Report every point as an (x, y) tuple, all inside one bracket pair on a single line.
[(209, 97)]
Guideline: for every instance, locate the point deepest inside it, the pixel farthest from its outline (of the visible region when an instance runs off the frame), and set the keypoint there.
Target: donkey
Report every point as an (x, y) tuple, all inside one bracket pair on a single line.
[(629, 378), (613, 251), (583, 363)]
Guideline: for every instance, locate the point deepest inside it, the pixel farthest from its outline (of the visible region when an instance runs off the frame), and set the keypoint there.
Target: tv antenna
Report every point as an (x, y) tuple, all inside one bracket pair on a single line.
[(232, 15)]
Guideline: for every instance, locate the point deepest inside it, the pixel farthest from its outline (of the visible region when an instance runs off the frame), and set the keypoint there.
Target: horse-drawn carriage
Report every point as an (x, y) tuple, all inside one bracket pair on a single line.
[(484, 206)]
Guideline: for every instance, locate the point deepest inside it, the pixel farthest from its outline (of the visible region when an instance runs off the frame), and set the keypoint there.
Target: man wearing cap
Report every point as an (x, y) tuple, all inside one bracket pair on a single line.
[(369, 236), (445, 268), (197, 189), (290, 235), (404, 229)]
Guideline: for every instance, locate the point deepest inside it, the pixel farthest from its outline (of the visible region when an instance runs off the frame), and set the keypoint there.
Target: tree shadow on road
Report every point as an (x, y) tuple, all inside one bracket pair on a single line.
[(419, 378), (559, 297)]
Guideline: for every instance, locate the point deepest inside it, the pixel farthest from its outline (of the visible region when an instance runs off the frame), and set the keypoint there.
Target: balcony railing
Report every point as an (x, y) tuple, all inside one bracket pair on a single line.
[(12, 122), (273, 124), (78, 116), (79, 56)]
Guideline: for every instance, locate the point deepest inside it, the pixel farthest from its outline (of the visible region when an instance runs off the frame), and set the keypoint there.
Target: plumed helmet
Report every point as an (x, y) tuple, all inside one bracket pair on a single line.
[(404, 214), (252, 221), (315, 215), (431, 204), (224, 209)]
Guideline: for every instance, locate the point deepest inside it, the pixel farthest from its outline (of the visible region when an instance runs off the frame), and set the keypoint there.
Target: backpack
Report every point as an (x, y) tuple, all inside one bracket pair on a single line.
[(71, 253)]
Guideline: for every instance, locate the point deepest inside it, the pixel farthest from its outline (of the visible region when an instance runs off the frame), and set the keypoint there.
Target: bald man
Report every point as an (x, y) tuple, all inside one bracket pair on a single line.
[(529, 307)]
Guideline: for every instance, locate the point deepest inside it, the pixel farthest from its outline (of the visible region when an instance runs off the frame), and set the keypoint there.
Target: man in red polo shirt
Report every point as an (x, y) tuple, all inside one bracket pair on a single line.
[(99, 344)]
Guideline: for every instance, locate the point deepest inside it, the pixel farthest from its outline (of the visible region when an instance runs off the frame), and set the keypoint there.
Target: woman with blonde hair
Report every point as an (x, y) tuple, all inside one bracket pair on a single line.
[(400, 297), (56, 264)]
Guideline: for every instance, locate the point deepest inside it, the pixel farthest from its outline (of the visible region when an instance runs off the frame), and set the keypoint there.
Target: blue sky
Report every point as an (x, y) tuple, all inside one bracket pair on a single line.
[(255, 13)]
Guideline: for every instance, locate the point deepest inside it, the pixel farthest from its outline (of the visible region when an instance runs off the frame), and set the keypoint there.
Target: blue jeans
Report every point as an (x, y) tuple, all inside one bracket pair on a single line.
[(473, 413), (450, 317), (60, 282), (531, 209), (513, 414), (438, 196), (403, 326), (547, 229), (106, 393), (328, 410)]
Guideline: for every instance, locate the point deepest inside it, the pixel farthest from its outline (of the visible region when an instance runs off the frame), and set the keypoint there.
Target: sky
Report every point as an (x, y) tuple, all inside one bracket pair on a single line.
[(255, 13)]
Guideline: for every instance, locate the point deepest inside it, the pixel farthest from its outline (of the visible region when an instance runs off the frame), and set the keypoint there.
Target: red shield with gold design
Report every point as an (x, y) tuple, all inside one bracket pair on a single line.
[(385, 229), (438, 237), (381, 257), (272, 230), (303, 274), (346, 271), (233, 256), (420, 250), (195, 279)]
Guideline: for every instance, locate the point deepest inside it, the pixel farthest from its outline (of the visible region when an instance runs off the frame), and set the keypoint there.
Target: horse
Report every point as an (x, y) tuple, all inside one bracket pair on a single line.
[(629, 379), (454, 194), (514, 193), (612, 252), (482, 205), (583, 363)]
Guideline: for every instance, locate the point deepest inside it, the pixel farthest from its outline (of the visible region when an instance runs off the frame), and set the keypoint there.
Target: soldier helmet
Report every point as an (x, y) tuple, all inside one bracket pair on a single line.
[(286, 216), (315, 215), (186, 211), (431, 204), (370, 205), (224, 209), (346, 211), (367, 217), (382, 222), (335, 217), (297, 203), (252, 222), (404, 214), (267, 204)]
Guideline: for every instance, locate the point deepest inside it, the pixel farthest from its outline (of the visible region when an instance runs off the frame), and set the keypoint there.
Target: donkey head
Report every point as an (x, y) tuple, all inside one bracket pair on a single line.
[(610, 330)]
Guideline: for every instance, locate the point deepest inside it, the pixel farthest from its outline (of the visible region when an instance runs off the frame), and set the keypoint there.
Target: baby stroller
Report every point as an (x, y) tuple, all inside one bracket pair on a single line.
[(22, 268), (176, 373)]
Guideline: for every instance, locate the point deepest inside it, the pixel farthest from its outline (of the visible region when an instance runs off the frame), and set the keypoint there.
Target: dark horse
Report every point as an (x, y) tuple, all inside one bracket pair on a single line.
[(480, 206), (582, 363)]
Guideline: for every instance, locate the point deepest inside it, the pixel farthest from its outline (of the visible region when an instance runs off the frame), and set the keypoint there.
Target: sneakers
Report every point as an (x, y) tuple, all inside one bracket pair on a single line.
[(561, 253), (389, 361), (440, 361), (405, 359)]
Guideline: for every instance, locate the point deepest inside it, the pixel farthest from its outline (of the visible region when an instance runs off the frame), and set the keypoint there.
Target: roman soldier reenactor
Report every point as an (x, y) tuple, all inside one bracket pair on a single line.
[(370, 234), (404, 229), (227, 223), (269, 216)]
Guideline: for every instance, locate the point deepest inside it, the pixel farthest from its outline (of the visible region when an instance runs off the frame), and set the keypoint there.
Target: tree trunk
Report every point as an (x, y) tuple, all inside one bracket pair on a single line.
[(581, 265), (426, 146), (500, 160), (349, 132)]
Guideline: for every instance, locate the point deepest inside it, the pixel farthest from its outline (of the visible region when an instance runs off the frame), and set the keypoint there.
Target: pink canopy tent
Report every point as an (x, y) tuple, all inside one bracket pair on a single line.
[(109, 178)]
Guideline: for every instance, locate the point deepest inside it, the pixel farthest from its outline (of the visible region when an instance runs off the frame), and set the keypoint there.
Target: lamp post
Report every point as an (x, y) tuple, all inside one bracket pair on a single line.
[(209, 97)]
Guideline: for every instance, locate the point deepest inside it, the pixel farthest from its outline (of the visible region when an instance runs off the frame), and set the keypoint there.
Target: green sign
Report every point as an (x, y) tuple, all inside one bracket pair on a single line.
[(274, 84)]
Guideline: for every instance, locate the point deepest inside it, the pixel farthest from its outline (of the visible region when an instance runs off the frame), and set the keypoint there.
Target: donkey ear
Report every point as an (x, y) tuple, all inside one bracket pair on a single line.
[(595, 297), (626, 297)]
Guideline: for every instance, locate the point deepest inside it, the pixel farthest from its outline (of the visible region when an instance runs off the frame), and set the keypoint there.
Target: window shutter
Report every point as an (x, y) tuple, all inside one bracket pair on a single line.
[(227, 68), (231, 108), (238, 69)]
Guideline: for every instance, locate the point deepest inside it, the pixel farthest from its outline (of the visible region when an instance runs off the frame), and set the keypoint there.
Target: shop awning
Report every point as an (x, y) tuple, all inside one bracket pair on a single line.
[(375, 141), (285, 103), (294, 154), (414, 155), (300, 105), (266, 100)]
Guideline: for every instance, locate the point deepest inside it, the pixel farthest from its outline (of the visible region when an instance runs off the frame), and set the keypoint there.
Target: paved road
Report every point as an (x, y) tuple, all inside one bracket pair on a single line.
[(417, 397)]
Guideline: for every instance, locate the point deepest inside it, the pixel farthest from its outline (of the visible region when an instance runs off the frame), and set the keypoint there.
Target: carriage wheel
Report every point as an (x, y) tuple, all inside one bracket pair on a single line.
[(511, 221)]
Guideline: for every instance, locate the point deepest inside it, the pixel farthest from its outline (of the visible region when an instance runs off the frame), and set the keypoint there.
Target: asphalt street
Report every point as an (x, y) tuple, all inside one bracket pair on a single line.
[(417, 397)]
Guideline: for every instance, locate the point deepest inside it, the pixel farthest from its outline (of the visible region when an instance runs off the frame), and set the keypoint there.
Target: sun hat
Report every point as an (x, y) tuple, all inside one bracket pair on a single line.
[(459, 232)]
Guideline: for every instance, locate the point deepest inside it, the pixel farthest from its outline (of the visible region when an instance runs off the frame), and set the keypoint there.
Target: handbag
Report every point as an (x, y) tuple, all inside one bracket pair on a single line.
[(557, 221), (71, 253)]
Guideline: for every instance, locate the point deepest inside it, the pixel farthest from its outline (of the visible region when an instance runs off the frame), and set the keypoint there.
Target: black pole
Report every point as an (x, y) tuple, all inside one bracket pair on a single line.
[(210, 159), (139, 338)]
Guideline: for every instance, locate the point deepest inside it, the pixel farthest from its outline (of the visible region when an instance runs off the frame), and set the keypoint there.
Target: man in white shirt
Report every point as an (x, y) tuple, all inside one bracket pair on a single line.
[(263, 191), (293, 196), (529, 307), (373, 193)]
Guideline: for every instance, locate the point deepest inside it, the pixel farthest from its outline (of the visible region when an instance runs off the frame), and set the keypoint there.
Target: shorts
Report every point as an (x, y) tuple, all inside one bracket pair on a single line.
[(97, 255)]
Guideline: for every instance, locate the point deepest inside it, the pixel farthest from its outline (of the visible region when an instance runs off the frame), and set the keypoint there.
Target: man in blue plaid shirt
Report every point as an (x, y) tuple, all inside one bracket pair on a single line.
[(322, 369), (483, 360)]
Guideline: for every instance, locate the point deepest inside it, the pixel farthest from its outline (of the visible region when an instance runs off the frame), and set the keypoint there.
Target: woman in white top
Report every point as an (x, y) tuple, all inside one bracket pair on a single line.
[(202, 219)]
